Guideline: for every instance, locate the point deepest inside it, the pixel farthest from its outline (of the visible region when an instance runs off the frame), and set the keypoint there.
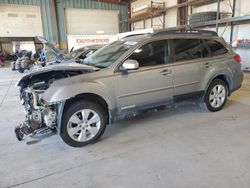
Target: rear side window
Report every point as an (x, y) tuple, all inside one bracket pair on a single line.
[(216, 48), (188, 49)]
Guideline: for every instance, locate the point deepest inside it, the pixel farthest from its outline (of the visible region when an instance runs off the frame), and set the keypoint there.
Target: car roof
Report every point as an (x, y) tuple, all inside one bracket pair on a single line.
[(136, 38), (143, 37)]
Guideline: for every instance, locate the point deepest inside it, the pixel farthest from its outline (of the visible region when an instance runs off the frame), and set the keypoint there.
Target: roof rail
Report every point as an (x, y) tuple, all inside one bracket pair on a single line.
[(139, 34), (190, 31)]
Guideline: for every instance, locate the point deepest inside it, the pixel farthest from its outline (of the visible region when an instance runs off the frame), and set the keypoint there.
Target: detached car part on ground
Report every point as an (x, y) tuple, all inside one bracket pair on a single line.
[(23, 61), (22, 64), (128, 76)]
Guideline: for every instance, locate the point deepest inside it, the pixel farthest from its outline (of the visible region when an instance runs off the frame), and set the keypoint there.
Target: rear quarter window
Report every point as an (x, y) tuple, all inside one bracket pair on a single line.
[(216, 48)]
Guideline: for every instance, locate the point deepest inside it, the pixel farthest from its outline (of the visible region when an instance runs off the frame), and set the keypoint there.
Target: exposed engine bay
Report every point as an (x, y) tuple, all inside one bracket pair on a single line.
[(39, 115)]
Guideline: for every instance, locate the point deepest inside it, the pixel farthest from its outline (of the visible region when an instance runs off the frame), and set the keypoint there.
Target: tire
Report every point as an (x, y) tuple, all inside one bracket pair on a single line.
[(202, 17), (216, 95), (78, 131)]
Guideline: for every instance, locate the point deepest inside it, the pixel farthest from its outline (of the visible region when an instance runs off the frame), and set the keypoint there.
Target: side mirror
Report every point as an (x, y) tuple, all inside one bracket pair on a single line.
[(130, 64)]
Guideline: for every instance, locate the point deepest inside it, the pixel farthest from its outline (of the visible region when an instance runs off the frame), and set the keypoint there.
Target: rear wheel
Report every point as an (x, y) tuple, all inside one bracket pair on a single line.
[(83, 123), (216, 96)]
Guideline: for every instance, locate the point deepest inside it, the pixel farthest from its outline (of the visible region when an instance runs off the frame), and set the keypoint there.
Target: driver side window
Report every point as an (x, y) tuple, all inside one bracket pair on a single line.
[(151, 54)]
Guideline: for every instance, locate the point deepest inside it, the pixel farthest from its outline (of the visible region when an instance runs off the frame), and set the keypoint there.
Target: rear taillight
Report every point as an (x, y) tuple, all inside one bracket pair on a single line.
[(237, 58)]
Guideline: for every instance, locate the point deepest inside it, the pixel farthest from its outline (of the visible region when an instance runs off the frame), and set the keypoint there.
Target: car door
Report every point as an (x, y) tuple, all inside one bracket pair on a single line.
[(151, 84), (187, 61), (215, 56)]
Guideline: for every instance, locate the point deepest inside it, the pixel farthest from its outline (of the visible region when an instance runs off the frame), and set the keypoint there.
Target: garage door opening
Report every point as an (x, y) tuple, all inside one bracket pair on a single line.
[(91, 21), (20, 21), (24, 45)]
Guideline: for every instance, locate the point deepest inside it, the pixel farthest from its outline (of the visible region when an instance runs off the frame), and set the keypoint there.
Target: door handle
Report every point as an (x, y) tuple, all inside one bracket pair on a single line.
[(166, 72), (207, 65)]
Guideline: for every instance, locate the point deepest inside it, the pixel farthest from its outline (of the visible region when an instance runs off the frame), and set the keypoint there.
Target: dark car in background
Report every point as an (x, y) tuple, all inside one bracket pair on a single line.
[(83, 52)]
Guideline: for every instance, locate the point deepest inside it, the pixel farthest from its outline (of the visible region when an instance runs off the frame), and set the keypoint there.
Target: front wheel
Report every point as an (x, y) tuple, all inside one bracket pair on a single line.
[(83, 123), (216, 95)]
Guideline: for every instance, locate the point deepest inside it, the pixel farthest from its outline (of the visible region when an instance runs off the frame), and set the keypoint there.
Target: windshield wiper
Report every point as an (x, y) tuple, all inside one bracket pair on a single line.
[(98, 66)]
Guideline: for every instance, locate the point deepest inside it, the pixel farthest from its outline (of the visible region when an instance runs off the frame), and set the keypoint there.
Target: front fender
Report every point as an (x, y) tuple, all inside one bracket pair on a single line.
[(60, 91)]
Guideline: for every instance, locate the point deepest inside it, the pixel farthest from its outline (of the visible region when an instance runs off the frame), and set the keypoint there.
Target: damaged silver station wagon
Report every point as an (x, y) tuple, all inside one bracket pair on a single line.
[(128, 76)]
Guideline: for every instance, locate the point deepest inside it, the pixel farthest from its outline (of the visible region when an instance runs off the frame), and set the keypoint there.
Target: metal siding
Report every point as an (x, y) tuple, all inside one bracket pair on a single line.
[(48, 19), (61, 23), (44, 15), (20, 2)]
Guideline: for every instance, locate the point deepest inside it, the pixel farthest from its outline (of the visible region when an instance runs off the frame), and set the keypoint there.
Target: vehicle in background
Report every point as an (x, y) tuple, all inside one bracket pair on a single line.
[(81, 53), (53, 55)]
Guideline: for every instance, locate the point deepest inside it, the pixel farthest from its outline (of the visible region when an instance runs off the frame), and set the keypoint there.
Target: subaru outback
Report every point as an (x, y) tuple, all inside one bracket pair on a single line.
[(130, 75)]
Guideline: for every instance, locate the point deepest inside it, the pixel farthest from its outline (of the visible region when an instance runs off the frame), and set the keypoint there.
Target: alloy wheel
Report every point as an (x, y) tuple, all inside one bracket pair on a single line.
[(217, 96), (83, 125)]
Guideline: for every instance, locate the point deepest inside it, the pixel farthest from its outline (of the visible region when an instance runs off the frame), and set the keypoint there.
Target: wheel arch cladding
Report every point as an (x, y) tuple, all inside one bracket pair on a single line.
[(225, 78), (90, 97)]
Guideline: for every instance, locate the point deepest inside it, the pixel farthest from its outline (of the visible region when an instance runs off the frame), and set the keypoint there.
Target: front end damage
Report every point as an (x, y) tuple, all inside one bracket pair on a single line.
[(41, 116)]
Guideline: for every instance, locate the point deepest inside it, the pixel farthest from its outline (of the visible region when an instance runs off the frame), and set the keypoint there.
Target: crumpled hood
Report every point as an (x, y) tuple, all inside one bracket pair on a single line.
[(50, 48), (67, 67)]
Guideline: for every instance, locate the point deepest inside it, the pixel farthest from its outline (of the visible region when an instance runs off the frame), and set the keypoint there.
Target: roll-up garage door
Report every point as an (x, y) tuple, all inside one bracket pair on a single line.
[(91, 21), (20, 21)]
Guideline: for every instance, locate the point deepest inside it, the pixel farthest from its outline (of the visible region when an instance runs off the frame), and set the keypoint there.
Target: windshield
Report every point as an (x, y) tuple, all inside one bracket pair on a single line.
[(107, 55)]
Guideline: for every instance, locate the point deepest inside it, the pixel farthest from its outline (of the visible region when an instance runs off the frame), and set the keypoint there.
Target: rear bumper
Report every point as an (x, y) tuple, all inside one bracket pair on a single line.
[(237, 82), (234, 89)]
